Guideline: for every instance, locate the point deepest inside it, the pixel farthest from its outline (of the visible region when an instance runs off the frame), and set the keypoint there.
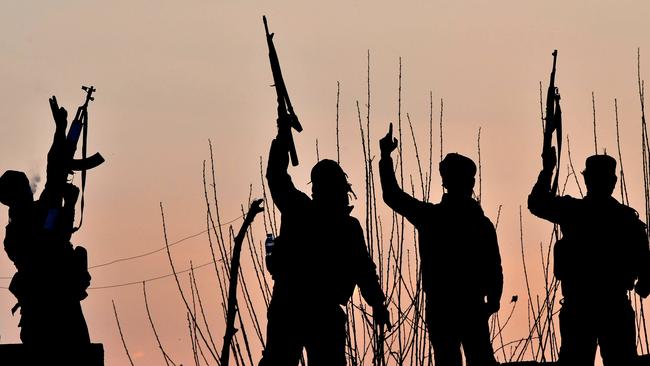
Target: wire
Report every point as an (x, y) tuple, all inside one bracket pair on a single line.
[(162, 248), (147, 280), (151, 279), (179, 241), (148, 253)]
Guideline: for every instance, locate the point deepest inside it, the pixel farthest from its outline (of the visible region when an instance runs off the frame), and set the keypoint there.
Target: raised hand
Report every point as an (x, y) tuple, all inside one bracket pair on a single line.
[(388, 143), (549, 159), (59, 113)]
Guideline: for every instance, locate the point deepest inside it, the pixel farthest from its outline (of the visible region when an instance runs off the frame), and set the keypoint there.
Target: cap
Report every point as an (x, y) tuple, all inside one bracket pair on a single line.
[(600, 165), (456, 164)]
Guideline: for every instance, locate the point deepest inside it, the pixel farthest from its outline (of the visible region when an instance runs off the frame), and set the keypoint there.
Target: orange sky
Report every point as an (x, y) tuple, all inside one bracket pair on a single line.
[(171, 75)]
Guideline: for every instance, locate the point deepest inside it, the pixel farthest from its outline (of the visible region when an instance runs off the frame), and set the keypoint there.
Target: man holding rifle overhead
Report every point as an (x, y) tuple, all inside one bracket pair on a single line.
[(318, 258), (603, 253), (52, 275)]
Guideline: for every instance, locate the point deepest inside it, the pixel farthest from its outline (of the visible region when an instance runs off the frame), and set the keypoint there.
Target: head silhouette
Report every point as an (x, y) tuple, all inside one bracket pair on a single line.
[(15, 189), (457, 172), (330, 185), (600, 175)]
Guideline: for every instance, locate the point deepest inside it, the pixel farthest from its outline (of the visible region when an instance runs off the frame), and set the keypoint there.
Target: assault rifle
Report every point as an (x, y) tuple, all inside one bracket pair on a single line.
[(85, 163), (80, 123), (78, 127), (553, 122), (287, 119)]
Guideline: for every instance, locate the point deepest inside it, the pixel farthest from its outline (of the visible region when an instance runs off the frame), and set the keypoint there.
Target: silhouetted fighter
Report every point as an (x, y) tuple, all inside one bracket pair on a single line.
[(461, 265), (51, 277), (602, 253), (318, 259)]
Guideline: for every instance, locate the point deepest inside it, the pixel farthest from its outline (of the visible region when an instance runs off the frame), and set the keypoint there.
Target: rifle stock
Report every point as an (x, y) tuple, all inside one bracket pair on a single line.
[(287, 118)]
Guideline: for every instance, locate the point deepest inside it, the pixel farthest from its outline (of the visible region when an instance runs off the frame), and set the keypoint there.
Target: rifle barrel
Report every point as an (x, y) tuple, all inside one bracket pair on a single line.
[(266, 26)]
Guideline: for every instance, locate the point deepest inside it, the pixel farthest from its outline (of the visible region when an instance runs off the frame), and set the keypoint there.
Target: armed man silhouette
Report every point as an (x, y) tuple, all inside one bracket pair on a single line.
[(603, 254), (459, 252), (52, 276), (318, 259)]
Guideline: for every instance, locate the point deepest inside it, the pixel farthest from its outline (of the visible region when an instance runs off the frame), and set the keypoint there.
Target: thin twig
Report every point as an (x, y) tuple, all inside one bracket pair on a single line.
[(153, 327), (117, 319)]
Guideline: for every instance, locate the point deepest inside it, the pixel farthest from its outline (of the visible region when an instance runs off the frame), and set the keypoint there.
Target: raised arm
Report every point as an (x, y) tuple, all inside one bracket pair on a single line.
[(56, 170), (284, 193), (541, 200), (398, 200)]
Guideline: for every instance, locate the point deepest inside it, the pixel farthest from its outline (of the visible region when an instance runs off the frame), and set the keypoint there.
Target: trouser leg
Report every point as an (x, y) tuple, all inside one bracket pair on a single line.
[(578, 346), (443, 334), (446, 352), (326, 341), (283, 346), (476, 341), (617, 336)]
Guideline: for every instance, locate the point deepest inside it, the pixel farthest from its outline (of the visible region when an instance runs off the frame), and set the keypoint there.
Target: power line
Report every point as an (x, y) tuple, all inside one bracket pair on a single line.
[(147, 280), (147, 253), (151, 279), (179, 241), (162, 248)]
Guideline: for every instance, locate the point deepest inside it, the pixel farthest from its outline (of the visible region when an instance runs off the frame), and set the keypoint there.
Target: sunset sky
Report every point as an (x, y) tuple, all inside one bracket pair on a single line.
[(172, 75)]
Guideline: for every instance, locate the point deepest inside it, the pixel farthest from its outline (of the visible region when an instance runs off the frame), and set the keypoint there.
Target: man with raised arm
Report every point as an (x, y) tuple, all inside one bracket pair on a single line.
[(52, 276), (318, 259), (602, 255), (459, 254)]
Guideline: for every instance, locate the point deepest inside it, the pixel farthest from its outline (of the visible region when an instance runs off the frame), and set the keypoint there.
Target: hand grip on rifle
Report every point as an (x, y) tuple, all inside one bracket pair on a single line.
[(549, 159)]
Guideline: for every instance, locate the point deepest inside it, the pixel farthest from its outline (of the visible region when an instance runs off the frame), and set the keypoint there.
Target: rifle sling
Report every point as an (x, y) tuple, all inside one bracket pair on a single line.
[(557, 116), (84, 119)]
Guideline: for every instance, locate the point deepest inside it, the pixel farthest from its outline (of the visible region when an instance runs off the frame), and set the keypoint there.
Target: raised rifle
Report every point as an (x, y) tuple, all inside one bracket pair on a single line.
[(553, 123), (287, 119), (78, 126)]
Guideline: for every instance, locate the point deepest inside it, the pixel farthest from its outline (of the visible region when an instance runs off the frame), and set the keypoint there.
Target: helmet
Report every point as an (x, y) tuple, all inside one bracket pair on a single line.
[(327, 174)]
